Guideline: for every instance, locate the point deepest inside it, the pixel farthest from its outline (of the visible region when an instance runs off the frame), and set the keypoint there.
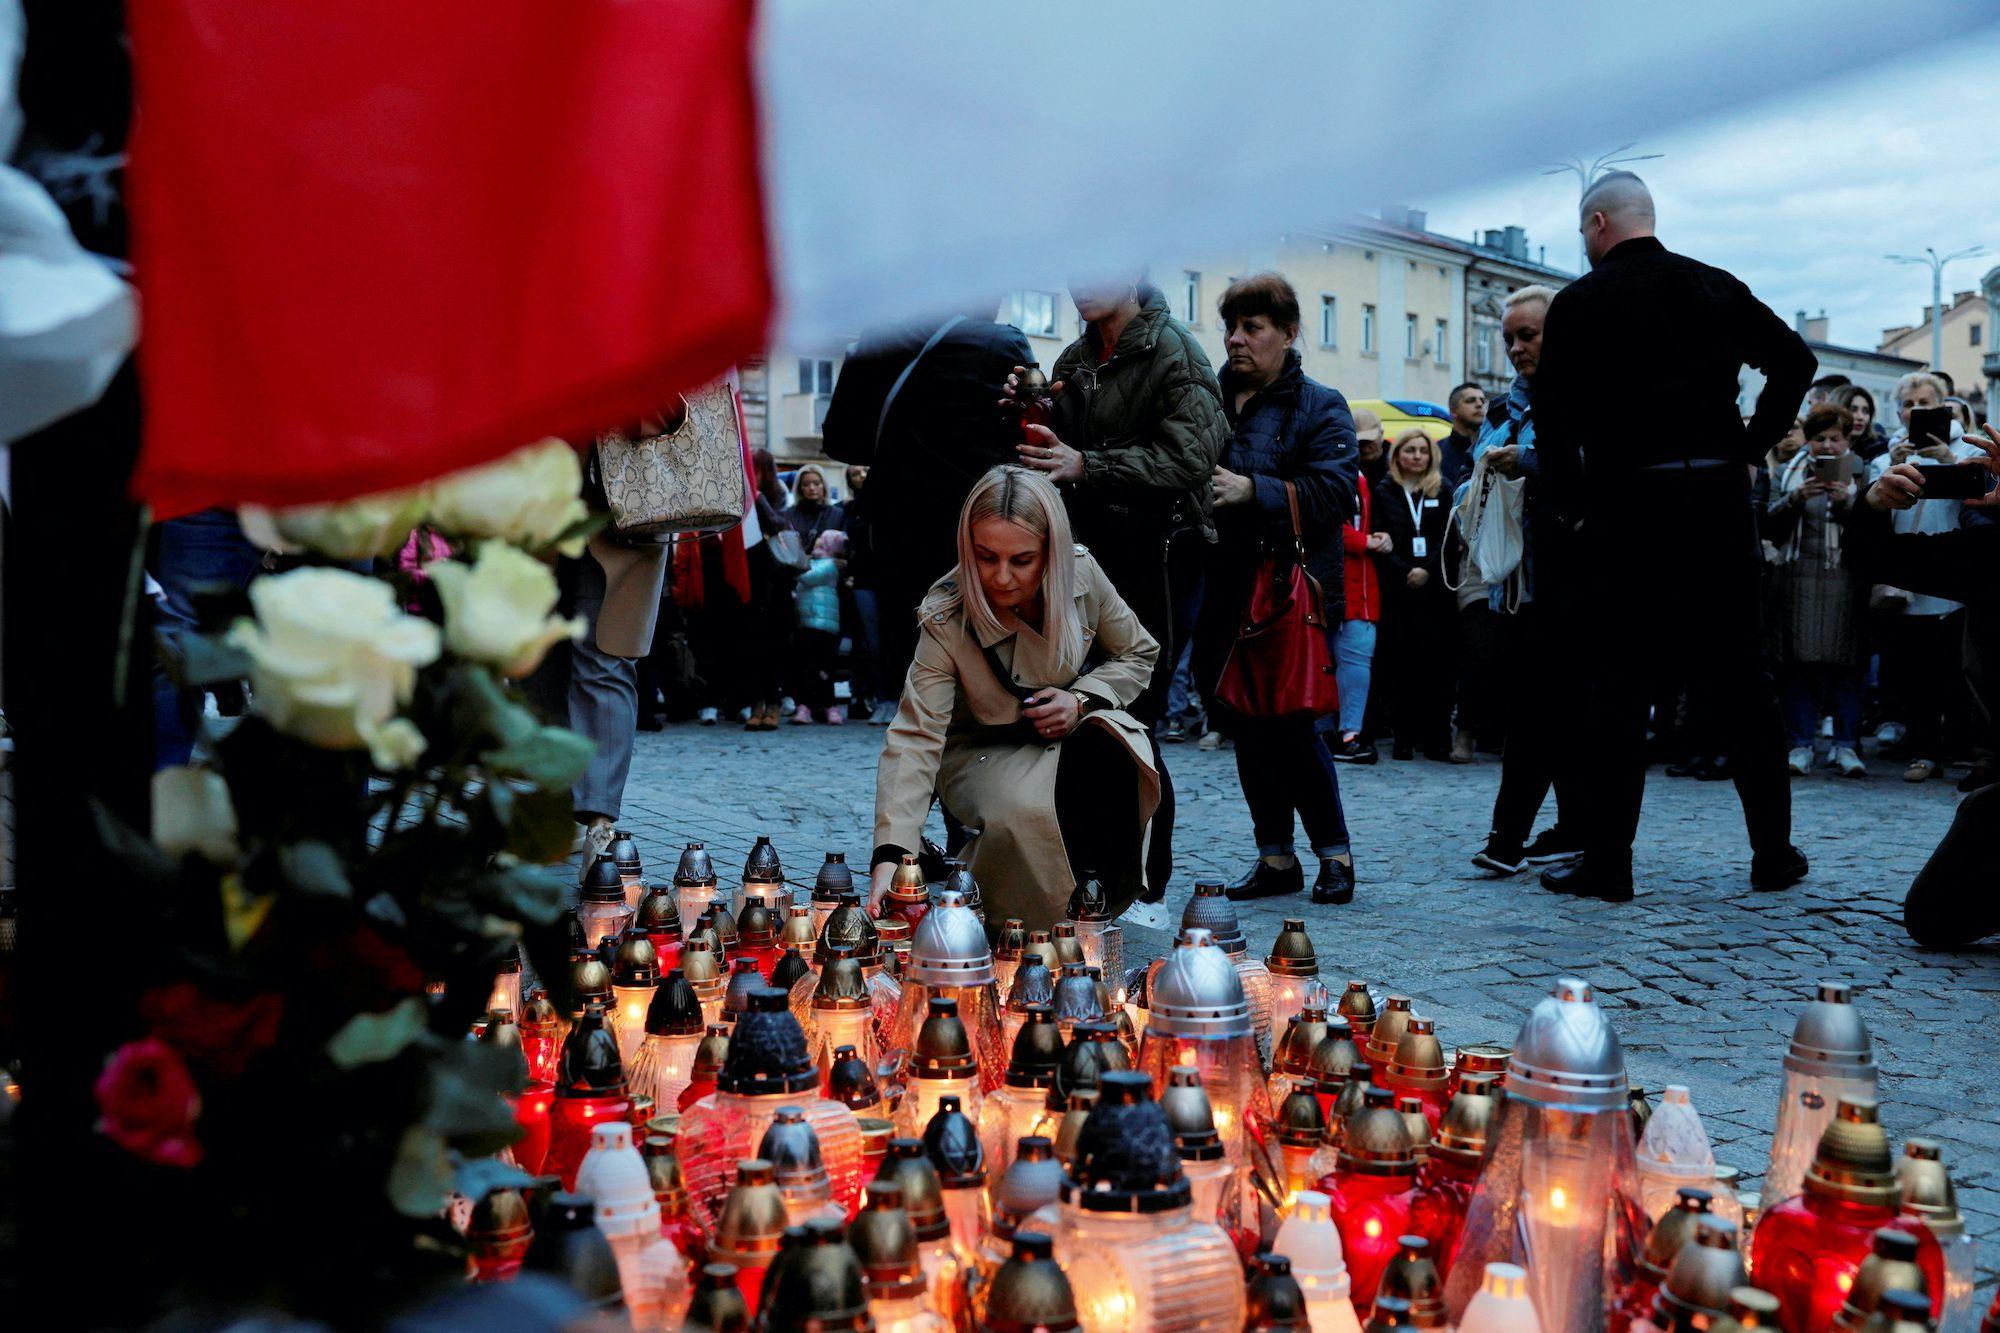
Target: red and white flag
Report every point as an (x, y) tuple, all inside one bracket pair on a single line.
[(379, 240)]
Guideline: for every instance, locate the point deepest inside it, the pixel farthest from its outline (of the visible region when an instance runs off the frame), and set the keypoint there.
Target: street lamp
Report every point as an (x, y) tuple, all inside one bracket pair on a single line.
[(1587, 174), (1937, 263)]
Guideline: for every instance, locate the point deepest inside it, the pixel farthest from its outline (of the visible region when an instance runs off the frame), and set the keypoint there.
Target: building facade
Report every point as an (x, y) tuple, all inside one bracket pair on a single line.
[(1876, 372), (1388, 310), (1967, 326)]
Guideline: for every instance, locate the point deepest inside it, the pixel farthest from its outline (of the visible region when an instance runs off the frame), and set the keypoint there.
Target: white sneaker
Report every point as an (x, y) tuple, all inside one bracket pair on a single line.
[(708, 716), (1210, 740), (1848, 762), (1890, 733), (1800, 761)]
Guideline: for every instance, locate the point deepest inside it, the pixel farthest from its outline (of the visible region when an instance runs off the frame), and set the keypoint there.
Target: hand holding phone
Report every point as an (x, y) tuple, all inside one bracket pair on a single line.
[(1955, 481), (1929, 423)]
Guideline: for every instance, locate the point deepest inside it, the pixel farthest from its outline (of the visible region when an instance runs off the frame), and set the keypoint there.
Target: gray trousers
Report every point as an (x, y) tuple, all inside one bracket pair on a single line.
[(603, 704)]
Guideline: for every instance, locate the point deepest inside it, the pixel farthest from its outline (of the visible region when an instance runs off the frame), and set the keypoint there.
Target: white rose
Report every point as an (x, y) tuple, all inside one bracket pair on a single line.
[(497, 609), (373, 525), (528, 498), (192, 812), (333, 657)]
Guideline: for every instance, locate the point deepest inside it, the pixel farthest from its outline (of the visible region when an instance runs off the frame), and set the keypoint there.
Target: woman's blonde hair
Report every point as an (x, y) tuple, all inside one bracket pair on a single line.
[(1432, 478), (1018, 495)]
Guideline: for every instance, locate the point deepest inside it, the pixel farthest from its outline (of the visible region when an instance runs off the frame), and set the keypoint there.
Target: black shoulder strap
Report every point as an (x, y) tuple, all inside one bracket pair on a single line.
[(882, 421)]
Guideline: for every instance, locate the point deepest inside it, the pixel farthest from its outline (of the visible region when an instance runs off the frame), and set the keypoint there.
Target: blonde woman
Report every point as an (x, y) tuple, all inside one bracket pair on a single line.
[(1416, 657), (1013, 712)]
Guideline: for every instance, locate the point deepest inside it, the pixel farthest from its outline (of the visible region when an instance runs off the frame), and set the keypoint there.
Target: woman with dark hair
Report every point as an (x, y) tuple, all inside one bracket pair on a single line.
[(1866, 438), (1291, 440), (770, 618)]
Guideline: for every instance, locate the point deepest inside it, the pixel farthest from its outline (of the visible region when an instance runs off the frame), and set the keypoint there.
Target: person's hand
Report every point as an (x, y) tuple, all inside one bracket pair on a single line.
[(1505, 460), (1049, 456), (1053, 714), (1840, 492), (1379, 542), (1989, 446), (1232, 488), (1898, 488), (1813, 485), (1900, 451), (879, 881), (1011, 391), (1417, 577), (1937, 450)]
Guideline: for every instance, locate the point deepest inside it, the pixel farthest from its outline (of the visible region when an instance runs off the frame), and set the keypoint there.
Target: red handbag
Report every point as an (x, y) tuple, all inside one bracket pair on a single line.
[(1281, 665)]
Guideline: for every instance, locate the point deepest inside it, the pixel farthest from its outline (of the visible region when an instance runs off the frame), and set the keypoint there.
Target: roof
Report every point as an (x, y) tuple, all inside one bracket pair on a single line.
[(1362, 222), (1888, 359)]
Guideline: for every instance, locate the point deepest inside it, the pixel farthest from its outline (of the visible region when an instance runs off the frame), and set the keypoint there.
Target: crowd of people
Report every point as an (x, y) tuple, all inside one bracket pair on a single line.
[(1053, 577)]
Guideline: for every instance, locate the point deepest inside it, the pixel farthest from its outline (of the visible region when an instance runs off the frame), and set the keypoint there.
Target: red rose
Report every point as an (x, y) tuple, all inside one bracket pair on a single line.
[(148, 1103), (217, 1035)]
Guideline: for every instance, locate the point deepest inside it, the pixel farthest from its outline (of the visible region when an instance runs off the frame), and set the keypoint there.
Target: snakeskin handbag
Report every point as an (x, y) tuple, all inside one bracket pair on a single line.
[(690, 479)]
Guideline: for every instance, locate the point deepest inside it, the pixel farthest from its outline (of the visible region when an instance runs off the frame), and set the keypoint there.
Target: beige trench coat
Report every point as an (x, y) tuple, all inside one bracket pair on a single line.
[(634, 577), (959, 732)]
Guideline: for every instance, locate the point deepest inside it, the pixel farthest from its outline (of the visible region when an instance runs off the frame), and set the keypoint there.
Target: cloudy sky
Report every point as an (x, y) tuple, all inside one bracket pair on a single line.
[(1802, 196)]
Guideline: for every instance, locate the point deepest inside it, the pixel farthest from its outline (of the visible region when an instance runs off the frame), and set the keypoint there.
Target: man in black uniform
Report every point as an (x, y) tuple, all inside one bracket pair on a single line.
[(1661, 500)]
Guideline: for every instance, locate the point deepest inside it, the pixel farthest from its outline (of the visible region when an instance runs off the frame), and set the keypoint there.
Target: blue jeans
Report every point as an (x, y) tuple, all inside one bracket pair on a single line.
[(1353, 660), (1815, 689), (1181, 696), (870, 683), (196, 551), (1284, 766)]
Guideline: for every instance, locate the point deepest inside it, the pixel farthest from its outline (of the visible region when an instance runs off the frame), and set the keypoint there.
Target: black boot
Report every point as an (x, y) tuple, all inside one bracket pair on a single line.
[(1770, 871), (1268, 881), (1591, 877), (1335, 885)]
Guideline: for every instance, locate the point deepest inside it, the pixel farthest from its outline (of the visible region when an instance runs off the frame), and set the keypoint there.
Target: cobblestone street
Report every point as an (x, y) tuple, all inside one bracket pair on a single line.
[(1702, 978)]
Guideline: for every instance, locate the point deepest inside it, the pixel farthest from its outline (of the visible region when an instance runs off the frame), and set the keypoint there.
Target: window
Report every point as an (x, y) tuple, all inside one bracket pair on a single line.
[(1487, 331), (1329, 321), (1410, 336), (1976, 332), (1034, 313), (1437, 353), (1368, 328), (1190, 297), (815, 375)]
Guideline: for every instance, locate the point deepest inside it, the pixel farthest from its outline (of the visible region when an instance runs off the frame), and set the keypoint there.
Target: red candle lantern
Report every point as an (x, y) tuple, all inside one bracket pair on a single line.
[(1674, 1229), (660, 917), (1808, 1250), (590, 1089), (663, 1169), (909, 896), (1488, 1057), (499, 1235), (1373, 1191), (757, 934), (531, 1112), (750, 1226), (1451, 1168), (1386, 1035), (1417, 1069), (708, 1060), (542, 1031)]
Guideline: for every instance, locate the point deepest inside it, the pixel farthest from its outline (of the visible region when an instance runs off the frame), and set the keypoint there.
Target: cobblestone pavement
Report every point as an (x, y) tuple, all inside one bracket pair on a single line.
[(1702, 978)]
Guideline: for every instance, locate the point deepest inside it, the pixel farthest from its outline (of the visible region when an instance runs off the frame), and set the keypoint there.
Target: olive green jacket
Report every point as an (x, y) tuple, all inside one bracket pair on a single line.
[(1149, 423)]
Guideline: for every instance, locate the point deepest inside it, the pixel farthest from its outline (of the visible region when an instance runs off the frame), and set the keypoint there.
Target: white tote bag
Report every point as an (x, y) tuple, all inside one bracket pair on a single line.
[(1489, 523)]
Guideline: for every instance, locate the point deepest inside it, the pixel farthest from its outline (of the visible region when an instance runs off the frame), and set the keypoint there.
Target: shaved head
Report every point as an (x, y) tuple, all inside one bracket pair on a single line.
[(1616, 207)]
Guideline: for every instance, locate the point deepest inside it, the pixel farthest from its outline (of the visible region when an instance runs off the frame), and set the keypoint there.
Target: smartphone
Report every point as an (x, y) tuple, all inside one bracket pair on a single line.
[(1955, 481), (1927, 421), (1833, 467)]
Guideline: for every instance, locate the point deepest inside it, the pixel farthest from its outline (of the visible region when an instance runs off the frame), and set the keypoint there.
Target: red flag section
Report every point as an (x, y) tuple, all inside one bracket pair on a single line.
[(377, 241)]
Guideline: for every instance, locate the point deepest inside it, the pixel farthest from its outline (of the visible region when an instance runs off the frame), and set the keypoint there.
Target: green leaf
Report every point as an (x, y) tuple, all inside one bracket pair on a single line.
[(464, 1105), (523, 893), (550, 757), (421, 1175), (315, 868), (481, 707), (542, 826), (371, 1038), (583, 529)]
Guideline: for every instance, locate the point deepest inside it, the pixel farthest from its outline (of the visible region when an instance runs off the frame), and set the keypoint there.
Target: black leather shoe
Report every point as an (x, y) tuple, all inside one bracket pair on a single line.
[(1771, 871), (1335, 885), (1688, 768), (1581, 878), (1267, 881), (1717, 768)]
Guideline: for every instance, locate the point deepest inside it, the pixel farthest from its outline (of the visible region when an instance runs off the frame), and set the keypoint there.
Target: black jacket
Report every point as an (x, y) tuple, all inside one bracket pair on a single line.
[(944, 431), (1639, 366), (1391, 512), (1455, 459), (1298, 430)]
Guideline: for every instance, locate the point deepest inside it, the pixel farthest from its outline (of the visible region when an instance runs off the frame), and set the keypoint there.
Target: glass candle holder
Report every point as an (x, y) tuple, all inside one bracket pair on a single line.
[(1200, 1016), (841, 1012), (1293, 966), (659, 915), (886, 1244), (941, 1065), (950, 959), (1808, 1250), (1217, 1187), (1928, 1196), (634, 977), (694, 885), (498, 1235), (1300, 1128), (603, 911), (1451, 1168), (507, 983), (1069, 949), (709, 1056), (797, 931), (893, 937), (847, 926), (1418, 1069), (834, 881), (909, 1168), (951, 1141), (1385, 1035), (1334, 1058), (1830, 1057), (1673, 1153), (743, 979), (1136, 1257), (1412, 1277), (765, 1069), (702, 968), (1210, 909), (1030, 1290), (1101, 938), (1008, 947), (749, 1228), (1014, 1109), (1300, 1034), (1373, 1192), (1033, 984), (764, 877), (663, 1168), (590, 1091), (1501, 1304), (624, 852), (542, 1029), (1489, 1058), (532, 1111), (908, 898), (1674, 1229), (791, 1146), (1031, 1182), (1076, 998), (757, 934), (664, 1063)]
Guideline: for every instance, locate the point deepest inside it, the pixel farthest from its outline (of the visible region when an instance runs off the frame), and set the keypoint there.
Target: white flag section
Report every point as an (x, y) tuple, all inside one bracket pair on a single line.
[(922, 153)]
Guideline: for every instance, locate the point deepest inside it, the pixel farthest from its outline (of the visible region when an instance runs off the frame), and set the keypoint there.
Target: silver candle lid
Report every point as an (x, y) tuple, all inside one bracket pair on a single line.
[(1211, 910), (1830, 1040), (949, 948), (1197, 991), (1567, 1055)]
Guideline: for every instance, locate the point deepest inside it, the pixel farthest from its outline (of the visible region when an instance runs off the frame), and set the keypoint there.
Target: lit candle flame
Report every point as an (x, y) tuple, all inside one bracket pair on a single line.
[(1558, 1200)]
